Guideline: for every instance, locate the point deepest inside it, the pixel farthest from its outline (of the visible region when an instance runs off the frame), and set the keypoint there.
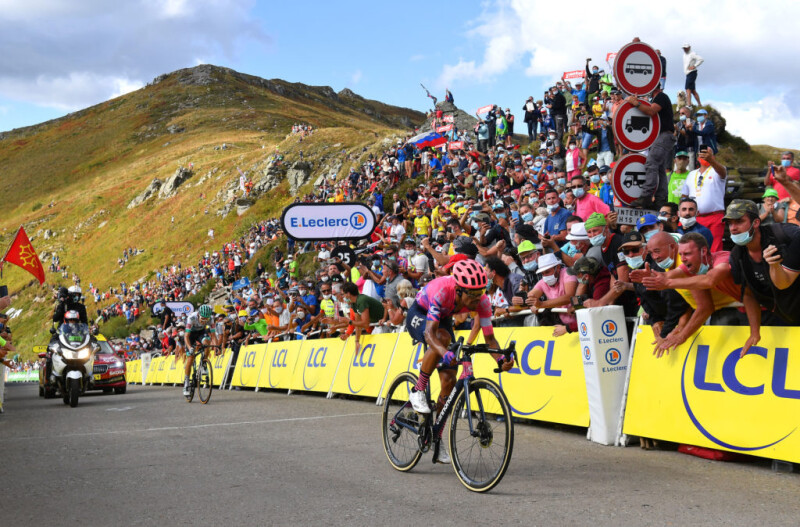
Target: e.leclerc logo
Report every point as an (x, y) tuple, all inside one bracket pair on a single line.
[(587, 353), (609, 328), (613, 356), (746, 403), (358, 220), (584, 331)]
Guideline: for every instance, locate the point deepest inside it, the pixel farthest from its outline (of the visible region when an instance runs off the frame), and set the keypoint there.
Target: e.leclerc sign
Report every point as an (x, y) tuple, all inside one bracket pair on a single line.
[(328, 221)]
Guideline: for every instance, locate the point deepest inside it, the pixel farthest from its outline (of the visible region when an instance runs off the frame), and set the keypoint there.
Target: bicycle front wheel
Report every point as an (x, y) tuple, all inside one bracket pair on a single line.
[(481, 435), (205, 383), (401, 424)]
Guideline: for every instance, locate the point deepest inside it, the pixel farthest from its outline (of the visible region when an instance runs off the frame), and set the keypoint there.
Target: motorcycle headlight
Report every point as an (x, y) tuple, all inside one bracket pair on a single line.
[(83, 354)]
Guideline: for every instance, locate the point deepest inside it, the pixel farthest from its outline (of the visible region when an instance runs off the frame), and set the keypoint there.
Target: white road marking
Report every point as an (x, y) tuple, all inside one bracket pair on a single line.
[(190, 427), (123, 409)]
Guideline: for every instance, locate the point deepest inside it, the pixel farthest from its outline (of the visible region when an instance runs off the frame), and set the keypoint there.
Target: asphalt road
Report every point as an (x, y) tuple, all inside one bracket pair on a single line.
[(149, 458)]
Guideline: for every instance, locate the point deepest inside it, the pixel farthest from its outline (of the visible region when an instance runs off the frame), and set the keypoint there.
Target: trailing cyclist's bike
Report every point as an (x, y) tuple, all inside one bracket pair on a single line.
[(481, 427), (201, 376)]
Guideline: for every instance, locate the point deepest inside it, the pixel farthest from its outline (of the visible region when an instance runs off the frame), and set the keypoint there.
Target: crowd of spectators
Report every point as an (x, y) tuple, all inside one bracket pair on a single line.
[(541, 218)]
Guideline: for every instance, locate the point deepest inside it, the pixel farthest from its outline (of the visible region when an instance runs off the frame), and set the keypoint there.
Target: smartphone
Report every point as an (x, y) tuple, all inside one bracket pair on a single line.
[(477, 207), (3, 291), (515, 214)]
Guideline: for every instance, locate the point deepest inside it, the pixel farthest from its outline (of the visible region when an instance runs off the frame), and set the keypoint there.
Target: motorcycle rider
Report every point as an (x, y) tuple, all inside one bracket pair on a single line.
[(69, 301)]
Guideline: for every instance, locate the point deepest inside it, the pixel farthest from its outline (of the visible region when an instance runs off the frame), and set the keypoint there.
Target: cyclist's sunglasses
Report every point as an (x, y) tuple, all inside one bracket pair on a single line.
[(472, 293)]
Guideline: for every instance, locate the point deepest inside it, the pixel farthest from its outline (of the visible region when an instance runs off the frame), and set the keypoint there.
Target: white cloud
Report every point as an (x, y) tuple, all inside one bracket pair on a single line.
[(744, 44), (356, 77), (768, 121), (68, 55)]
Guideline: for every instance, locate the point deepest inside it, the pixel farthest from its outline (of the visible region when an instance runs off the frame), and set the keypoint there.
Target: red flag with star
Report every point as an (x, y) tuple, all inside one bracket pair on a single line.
[(22, 254)]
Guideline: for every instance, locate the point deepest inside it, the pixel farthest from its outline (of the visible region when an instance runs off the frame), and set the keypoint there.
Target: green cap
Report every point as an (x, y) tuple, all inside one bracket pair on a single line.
[(770, 193), (595, 219), (526, 246), (740, 207), (682, 153)]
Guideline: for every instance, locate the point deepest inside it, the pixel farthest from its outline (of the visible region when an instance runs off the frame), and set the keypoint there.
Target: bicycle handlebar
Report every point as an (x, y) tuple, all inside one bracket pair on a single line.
[(470, 349)]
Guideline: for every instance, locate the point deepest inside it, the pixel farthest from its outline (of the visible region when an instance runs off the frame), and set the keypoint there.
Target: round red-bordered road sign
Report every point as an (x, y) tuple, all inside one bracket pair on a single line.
[(634, 129), (637, 68), (628, 178)]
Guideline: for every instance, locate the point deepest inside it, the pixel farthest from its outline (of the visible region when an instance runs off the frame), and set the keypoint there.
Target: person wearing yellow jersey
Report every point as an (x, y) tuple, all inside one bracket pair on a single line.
[(597, 107), (422, 225)]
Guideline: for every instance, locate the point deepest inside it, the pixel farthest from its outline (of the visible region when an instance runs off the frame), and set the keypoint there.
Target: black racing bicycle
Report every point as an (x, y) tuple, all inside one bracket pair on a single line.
[(202, 376), (481, 428)]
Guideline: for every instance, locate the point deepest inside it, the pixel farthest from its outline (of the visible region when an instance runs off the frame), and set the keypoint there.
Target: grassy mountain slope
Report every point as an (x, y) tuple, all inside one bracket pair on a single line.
[(75, 175)]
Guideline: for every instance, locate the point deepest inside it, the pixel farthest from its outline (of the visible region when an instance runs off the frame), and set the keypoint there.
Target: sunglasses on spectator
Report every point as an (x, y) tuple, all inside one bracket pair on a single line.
[(631, 250)]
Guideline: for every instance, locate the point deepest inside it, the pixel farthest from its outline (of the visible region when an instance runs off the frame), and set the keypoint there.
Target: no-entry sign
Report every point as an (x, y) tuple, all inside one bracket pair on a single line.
[(637, 68), (628, 178), (634, 129)]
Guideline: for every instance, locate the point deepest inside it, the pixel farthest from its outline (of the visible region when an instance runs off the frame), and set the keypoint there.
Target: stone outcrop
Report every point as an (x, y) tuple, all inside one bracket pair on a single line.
[(148, 193)]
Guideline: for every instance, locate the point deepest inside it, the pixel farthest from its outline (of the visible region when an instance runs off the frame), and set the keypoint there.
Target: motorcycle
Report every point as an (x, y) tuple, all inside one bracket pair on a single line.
[(72, 355)]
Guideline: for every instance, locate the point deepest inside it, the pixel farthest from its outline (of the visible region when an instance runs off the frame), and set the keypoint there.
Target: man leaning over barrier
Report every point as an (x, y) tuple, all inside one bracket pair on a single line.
[(765, 262), (704, 280)]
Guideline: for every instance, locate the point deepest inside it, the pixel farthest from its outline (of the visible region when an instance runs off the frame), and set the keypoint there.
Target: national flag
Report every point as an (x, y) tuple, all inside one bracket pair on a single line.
[(22, 254)]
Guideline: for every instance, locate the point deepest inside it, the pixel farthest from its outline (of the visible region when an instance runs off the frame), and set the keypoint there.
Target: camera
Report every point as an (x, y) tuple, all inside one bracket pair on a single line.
[(577, 301)]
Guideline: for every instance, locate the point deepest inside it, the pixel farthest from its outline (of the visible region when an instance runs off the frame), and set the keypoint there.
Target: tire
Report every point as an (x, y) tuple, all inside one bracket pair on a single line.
[(41, 391), (401, 443), (205, 381), (74, 392), (107, 390), (630, 130), (121, 390), (480, 462), (49, 393)]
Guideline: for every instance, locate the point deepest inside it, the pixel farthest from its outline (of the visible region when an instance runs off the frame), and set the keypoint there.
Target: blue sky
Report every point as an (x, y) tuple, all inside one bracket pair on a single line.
[(57, 57)]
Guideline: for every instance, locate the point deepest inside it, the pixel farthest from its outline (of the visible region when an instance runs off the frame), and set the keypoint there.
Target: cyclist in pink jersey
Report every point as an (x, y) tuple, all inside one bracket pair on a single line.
[(430, 321)]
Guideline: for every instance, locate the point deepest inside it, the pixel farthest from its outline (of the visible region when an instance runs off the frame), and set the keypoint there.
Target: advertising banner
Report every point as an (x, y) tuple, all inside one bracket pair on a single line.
[(705, 394), (279, 364), (219, 364), (328, 221), (547, 380), (363, 373), (179, 308), (407, 357), (133, 371), (173, 371), (153, 370), (604, 342), (317, 365), (248, 365)]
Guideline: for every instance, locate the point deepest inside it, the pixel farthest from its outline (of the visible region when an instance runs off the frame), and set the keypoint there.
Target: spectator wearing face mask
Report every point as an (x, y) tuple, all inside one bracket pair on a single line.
[(680, 171), (707, 186), (555, 226), (686, 141), (531, 117), (687, 218), (704, 131), (793, 173), (767, 211), (585, 202), (557, 286)]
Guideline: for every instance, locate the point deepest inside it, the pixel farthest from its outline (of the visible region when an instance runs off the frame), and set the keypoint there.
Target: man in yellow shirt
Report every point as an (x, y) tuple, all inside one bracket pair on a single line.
[(422, 224)]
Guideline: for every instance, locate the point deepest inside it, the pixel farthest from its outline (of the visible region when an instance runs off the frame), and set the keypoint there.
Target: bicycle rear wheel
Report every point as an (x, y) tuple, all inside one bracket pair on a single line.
[(481, 436), (205, 383), (401, 424)]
